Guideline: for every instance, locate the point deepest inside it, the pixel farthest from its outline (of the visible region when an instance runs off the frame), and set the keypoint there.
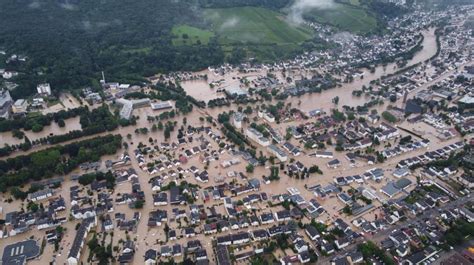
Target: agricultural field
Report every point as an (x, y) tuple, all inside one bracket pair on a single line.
[(188, 35), (345, 17), (253, 25)]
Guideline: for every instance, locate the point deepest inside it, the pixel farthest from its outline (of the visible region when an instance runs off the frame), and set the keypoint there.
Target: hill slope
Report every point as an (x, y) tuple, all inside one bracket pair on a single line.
[(70, 42)]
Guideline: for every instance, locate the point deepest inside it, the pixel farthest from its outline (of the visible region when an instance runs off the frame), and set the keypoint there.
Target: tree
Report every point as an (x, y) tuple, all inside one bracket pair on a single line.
[(347, 210), (18, 134), (138, 204), (314, 169), (370, 249), (61, 123), (45, 160), (249, 168), (335, 100), (37, 128), (32, 206), (248, 110), (389, 117), (351, 116), (18, 194), (87, 179)]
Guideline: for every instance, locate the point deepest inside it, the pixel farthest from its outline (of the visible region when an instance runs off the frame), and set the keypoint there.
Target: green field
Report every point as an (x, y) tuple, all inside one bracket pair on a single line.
[(253, 25), (345, 17), (188, 35)]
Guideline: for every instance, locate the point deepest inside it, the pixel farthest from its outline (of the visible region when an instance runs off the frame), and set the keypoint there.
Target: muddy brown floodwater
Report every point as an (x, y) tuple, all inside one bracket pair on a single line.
[(200, 88), (147, 238)]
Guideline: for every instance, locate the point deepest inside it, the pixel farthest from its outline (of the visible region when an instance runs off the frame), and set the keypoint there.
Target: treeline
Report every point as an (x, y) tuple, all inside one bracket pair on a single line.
[(457, 234), (218, 102), (27, 123), (99, 119), (184, 103), (56, 160), (88, 178), (230, 132), (438, 34), (273, 4), (96, 121)]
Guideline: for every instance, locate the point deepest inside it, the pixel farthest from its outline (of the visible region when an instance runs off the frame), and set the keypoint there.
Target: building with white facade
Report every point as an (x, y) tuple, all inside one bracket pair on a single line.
[(257, 136), (44, 89)]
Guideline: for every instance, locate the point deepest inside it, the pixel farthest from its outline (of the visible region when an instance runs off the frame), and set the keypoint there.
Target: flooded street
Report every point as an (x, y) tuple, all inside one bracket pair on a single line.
[(146, 238), (53, 129)]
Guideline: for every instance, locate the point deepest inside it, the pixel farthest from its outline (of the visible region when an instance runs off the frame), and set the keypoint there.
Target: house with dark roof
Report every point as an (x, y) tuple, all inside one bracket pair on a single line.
[(260, 234), (193, 245), (150, 257), (175, 196), (222, 255), (335, 163), (282, 216), (200, 254), (78, 243), (312, 232), (160, 199)]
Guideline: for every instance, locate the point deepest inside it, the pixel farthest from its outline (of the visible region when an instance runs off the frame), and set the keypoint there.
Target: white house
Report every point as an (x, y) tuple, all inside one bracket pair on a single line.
[(44, 89)]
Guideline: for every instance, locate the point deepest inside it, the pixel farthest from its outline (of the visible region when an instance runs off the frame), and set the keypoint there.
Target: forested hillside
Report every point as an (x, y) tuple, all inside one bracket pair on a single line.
[(68, 43)]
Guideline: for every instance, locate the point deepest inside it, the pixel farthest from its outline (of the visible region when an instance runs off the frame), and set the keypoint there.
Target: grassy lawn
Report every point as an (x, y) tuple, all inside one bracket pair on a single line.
[(254, 26), (346, 17), (188, 35)]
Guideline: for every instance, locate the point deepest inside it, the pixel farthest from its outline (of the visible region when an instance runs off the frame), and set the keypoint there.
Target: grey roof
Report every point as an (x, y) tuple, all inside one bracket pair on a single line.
[(19, 252), (390, 189), (80, 235)]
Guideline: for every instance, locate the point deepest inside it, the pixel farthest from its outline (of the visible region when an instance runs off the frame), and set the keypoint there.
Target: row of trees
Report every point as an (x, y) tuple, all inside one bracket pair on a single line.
[(97, 121), (56, 160), (28, 122), (87, 179), (69, 47)]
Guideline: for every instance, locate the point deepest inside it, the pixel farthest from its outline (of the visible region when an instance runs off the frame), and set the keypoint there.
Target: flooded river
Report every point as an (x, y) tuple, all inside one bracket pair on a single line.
[(200, 88)]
